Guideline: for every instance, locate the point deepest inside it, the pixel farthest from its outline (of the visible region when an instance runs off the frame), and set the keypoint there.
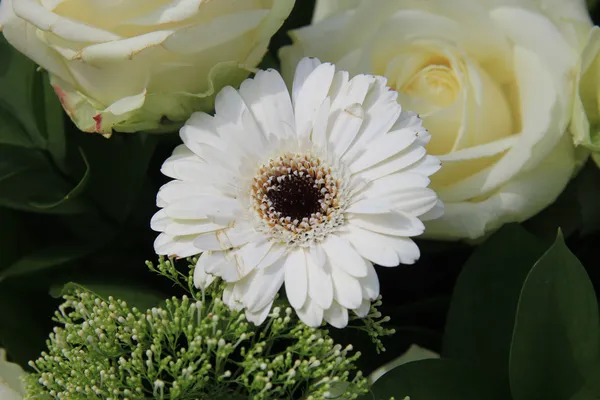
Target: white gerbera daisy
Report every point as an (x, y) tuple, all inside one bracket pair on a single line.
[(306, 192)]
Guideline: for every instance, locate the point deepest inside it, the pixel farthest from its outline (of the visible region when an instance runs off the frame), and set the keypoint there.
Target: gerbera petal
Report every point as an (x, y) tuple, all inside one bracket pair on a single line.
[(259, 316), (311, 94), (436, 212), (382, 148), (305, 68), (178, 227), (370, 206), (336, 316), (416, 201), (345, 128), (338, 85), (177, 190), (223, 264), (199, 207), (268, 99), (175, 246), (426, 166), (275, 253), (393, 164), (389, 185), (264, 285), (227, 238), (311, 314), (376, 123), (393, 223), (160, 221), (370, 284), (200, 129), (373, 246), (318, 255), (230, 299), (252, 253), (235, 123), (346, 289), (319, 132), (381, 112), (320, 287), (341, 254), (195, 172), (202, 280), (353, 92), (296, 279), (364, 309), (180, 152)]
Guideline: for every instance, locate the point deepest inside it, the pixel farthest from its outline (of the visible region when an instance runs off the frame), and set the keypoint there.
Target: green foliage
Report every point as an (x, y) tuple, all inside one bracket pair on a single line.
[(486, 295), (523, 325), (189, 348), (434, 380), (65, 197), (555, 341)]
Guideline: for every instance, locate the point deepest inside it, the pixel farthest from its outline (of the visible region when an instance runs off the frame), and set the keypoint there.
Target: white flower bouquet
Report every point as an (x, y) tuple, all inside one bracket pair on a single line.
[(348, 199)]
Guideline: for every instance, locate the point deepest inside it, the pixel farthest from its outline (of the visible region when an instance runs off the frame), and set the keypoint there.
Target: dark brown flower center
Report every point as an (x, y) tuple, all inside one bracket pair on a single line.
[(294, 196)]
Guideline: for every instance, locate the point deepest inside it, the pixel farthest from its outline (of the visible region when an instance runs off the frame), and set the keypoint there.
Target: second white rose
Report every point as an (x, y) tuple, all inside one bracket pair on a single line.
[(494, 82)]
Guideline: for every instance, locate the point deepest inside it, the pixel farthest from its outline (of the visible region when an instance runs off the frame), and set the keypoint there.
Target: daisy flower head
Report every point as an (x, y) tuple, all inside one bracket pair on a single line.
[(305, 191)]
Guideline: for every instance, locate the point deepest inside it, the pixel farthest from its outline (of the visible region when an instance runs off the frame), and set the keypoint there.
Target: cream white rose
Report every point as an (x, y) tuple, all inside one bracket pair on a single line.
[(11, 387), (133, 65), (494, 81)]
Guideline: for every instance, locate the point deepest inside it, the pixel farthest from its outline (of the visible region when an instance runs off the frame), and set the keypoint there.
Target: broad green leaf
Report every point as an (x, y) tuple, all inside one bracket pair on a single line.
[(140, 297), (556, 334), (12, 132), (436, 379), (414, 353), (54, 118), (482, 312), (585, 393), (76, 191), (118, 168), (29, 182), (49, 256), (19, 86)]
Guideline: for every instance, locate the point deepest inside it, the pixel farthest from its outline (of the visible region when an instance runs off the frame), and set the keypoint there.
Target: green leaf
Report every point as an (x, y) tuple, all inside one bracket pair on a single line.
[(482, 312), (435, 380), (49, 256), (555, 341), (12, 132), (29, 182), (118, 168), (585, 394), (54, 118), (19, 86), (76, 191), (140, 297)]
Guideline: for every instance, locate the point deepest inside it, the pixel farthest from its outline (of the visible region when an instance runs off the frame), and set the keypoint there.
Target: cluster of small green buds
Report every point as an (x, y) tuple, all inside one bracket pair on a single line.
[(373, 325), (191, 347)]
